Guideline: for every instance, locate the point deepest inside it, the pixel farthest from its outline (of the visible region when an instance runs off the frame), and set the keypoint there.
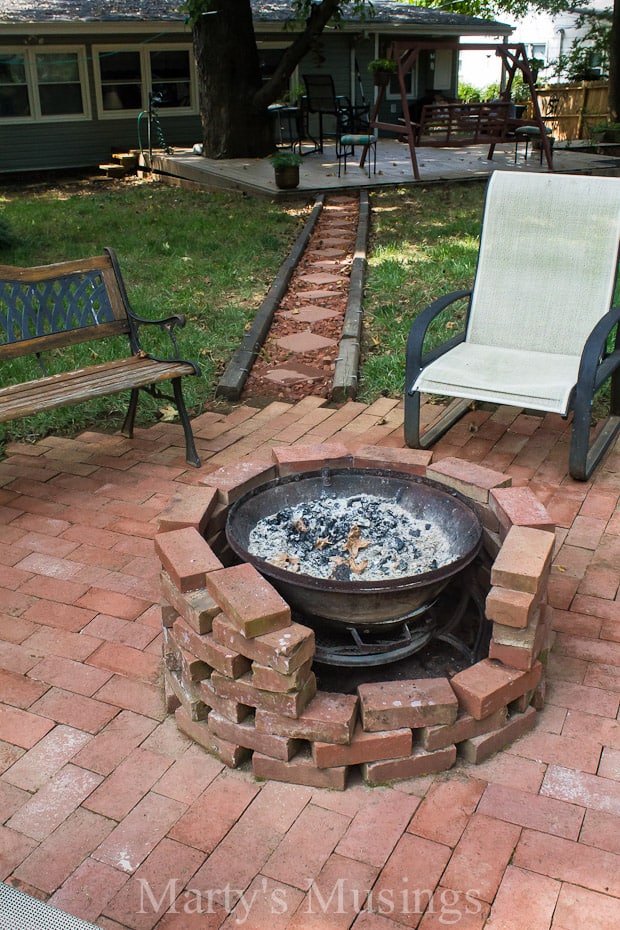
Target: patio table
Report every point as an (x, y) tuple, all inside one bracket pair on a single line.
[(287, 125)]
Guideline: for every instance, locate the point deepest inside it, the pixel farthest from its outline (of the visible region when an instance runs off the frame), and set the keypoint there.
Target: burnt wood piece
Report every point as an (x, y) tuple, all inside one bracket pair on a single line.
[(52, 307)]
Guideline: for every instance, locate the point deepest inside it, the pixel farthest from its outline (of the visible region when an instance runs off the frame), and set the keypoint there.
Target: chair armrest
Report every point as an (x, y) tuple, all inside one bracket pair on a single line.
[(167, 325), (596, 365), (168, 322), (415, 359)]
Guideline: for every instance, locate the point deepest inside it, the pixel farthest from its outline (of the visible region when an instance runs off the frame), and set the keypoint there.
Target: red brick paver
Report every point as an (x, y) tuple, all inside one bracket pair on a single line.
[(102, 796)]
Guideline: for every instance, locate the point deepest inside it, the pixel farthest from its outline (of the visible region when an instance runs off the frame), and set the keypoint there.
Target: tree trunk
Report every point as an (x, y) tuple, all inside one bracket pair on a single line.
[(233, 126), (614, 64)]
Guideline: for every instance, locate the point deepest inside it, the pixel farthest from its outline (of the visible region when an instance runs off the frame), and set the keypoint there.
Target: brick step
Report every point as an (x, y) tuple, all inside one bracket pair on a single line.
[(127, 160), (114, 170)]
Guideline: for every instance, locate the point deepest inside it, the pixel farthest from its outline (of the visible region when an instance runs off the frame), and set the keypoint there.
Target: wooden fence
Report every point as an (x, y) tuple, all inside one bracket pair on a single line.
[(571, 110)]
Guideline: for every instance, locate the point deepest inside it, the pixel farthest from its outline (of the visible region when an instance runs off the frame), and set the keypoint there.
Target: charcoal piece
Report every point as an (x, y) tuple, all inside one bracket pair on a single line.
[(342, 572)]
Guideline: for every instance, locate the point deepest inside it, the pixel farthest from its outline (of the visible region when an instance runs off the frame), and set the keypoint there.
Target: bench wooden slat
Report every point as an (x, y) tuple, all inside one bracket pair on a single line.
[(60, 340), (21, 400), (54, 269)]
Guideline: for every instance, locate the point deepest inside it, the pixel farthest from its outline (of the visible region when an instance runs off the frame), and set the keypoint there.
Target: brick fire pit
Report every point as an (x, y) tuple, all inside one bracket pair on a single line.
[(238, 670)]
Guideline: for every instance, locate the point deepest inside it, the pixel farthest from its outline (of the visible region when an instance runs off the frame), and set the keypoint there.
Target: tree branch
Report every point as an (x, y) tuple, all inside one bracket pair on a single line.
[(320, 15)]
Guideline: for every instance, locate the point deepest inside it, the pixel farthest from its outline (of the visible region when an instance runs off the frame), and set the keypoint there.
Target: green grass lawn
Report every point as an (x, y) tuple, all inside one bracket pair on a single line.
[(210, 256), (213, 256)]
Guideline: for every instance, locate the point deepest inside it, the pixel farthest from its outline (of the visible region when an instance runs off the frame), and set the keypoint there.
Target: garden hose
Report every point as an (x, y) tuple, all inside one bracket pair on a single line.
[(153, 125)]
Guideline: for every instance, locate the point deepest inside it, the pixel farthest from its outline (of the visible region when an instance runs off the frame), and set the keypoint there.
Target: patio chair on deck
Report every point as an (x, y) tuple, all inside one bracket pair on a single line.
[(321, 99), (541, 330), (353, 128)]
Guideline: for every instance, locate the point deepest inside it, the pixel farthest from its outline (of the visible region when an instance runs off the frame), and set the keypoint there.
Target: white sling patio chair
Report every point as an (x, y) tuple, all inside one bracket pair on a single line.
[(540, 318)]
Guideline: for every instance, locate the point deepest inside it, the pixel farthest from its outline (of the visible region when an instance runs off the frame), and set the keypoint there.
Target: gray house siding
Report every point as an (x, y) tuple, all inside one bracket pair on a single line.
[(423, 80), (332, 56), (87, 142), (340, 54), (58, 145)]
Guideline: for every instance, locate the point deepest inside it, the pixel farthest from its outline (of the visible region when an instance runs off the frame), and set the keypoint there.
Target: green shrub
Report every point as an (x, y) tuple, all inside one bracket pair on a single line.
[(470, 94)]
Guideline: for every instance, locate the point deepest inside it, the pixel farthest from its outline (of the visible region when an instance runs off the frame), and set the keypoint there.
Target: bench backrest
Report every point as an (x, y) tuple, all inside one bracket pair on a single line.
[(66, 303), (462, 123)]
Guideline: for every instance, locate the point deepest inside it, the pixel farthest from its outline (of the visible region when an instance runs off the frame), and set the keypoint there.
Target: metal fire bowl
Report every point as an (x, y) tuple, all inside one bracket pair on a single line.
[(358, 603)]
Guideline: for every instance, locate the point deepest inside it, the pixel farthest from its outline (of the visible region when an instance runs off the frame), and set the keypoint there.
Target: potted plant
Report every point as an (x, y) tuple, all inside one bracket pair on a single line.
[(286, 169), (520, 96), (382, 70)]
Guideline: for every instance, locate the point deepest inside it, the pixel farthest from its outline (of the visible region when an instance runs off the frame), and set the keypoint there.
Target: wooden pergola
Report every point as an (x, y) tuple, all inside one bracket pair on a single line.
[(513, 58)]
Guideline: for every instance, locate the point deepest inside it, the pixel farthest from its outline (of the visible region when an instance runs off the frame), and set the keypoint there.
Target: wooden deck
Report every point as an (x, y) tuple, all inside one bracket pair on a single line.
[(319, 171)]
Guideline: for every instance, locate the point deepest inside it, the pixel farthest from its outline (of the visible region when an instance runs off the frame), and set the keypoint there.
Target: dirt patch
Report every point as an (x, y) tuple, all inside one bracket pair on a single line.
[(73, 184)]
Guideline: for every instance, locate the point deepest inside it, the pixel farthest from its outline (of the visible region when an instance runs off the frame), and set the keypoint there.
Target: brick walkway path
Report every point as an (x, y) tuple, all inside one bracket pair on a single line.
[(300, 352), (110, 813)]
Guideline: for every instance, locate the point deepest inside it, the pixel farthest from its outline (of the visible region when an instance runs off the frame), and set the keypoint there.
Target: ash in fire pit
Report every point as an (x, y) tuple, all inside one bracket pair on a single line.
[(360, 599), (350, 538)]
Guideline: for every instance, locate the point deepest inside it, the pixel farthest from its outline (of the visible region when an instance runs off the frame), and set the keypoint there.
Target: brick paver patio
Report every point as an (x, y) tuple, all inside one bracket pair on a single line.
[(111, 814)]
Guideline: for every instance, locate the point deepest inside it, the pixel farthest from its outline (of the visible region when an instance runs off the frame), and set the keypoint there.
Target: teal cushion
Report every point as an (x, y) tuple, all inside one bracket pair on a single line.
[(358, 139)]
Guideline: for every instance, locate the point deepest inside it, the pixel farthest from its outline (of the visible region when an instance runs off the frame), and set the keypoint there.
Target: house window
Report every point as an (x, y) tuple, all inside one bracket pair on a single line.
[(268, 59), (170, 77), (127, 76), (43, 85), (393, 88), (121, 80), (14, 98), (539, 52), (58, 80)]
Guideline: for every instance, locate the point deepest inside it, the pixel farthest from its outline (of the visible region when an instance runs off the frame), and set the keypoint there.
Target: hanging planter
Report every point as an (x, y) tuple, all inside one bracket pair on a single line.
[(382, 70), (536, 64)]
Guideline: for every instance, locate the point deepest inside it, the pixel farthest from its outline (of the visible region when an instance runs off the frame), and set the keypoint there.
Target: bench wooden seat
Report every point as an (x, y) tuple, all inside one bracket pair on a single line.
[(56, 307)]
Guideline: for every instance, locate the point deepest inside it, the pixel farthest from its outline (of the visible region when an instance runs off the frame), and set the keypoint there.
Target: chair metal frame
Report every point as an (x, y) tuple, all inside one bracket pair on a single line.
[(599, 362), (321, 99), (353, 128)]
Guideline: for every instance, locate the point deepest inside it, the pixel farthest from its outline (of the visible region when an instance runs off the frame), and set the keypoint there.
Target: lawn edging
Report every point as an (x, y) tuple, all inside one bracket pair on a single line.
[(345, 382)]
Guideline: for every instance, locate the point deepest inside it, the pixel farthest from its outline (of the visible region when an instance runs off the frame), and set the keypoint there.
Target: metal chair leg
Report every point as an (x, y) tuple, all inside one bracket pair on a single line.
[(191, 454), (417, 440)]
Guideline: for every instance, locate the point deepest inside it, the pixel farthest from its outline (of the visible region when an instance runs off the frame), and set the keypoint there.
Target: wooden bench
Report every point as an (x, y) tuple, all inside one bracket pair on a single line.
[(456, 124), (52, 308)]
